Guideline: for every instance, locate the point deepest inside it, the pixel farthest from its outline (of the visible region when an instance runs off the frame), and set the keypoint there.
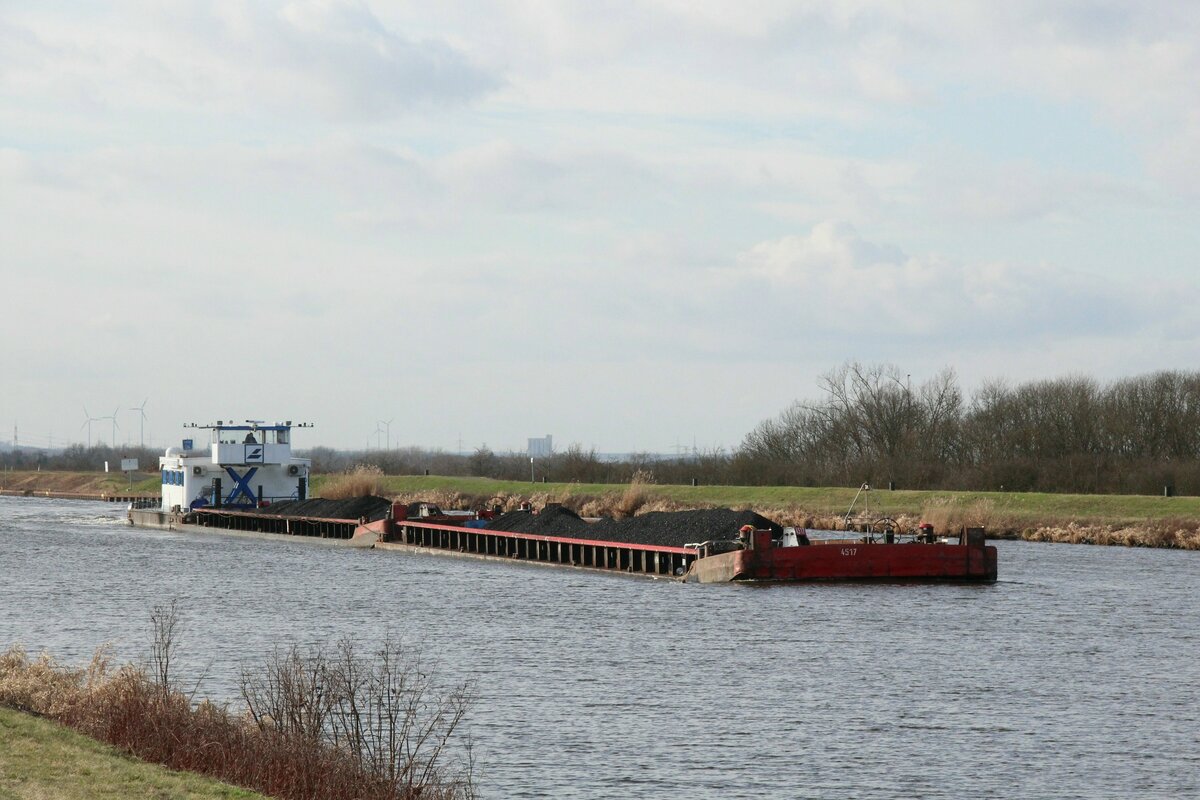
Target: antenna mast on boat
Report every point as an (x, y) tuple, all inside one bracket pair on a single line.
[(864, 488)]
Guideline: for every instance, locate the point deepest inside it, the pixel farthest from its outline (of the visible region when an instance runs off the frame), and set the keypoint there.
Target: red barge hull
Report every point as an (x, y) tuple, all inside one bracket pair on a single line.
[(852, 560), (761, 561)]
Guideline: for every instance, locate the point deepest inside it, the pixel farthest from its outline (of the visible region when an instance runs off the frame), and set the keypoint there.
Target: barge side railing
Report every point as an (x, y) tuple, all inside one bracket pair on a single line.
[(319, 527), (637, 559)]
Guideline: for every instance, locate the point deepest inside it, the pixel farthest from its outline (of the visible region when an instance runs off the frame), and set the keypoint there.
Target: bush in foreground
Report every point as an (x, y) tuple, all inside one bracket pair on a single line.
[(322, 725)]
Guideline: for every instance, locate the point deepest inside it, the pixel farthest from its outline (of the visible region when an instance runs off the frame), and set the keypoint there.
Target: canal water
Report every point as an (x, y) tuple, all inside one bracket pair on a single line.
[(1077, 675)]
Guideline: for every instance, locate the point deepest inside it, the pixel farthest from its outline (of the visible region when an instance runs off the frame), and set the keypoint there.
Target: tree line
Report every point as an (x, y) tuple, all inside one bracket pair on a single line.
[(870, 424), (80, 458), (1067, 434)]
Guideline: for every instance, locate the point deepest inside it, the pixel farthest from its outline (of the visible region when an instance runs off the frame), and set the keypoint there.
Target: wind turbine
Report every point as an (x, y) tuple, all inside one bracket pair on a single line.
[(387, 425), (113, 417), (142, 422), (88, 425), (378, 430)]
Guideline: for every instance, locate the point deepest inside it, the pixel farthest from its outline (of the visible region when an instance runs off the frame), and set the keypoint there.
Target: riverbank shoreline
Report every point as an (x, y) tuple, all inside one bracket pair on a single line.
[(1110, 520)]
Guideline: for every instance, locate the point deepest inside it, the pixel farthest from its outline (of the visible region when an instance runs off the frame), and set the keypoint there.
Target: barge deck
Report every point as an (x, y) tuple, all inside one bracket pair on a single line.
[(653, 561)]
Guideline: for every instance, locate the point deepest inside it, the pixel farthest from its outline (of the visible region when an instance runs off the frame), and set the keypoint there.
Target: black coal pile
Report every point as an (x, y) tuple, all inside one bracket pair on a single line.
[(663, 528), (552, 521), (371, 507)]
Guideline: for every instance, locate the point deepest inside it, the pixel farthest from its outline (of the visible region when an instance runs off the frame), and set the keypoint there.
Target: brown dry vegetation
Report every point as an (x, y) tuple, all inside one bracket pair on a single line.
[(324, 740), (1175, 534), (71, 482), (360, 481)]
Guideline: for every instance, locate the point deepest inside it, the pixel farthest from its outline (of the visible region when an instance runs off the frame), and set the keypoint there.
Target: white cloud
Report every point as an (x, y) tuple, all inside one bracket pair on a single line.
[(331, 58), (834, 275)]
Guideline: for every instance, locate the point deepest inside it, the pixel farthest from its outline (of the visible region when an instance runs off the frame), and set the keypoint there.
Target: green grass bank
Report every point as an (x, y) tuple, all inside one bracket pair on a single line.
[(1143, 520), (1025, 508), (42, 760), (1028, 508)]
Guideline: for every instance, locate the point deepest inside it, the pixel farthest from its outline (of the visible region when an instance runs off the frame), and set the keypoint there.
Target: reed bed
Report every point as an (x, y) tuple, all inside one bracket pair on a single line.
[(1172, 534), (360, 481)]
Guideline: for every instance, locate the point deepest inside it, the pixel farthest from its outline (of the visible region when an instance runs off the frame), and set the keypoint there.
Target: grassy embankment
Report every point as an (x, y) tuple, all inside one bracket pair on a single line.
[(1022, 507), (42, 759), (1093, 519), (1102, 519), (79, 483)]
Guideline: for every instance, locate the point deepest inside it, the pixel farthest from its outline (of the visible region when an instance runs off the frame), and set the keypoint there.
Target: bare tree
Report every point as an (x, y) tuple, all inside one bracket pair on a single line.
[(386, 710), (164, 624)]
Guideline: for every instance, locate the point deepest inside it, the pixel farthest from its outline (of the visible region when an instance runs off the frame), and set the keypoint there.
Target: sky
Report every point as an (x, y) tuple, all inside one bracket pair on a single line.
[(634, 226)]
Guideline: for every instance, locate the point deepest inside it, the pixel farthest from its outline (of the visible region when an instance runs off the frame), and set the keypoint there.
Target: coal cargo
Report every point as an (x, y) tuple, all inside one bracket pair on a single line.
[(552, 521), (661, 528), (371, 507)]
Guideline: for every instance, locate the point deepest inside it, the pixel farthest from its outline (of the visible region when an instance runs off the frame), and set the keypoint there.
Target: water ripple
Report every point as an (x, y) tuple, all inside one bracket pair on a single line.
[(1073, 676)]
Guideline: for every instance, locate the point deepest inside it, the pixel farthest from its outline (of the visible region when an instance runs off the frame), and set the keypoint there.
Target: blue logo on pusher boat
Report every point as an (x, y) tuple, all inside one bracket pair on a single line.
[(241, 487), (254, 454)]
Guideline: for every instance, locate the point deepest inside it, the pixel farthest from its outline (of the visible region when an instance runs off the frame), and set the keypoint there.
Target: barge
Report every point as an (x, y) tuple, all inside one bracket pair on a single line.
[(249, 484), (755, 557)]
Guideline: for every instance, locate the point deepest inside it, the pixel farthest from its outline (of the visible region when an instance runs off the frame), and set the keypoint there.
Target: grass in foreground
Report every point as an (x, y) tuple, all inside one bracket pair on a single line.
[(41, 759)]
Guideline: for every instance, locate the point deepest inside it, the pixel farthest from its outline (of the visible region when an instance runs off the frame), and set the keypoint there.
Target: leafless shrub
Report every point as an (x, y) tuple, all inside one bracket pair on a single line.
[(322, 725), (164, 621), (288, 693), (385, 711)]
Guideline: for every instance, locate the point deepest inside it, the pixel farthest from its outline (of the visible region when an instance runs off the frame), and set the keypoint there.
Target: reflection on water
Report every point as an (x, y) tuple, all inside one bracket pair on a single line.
[(1074, 676)]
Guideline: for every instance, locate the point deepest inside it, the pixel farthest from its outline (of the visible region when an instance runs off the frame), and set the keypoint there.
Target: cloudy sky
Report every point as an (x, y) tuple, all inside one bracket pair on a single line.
[(630, 225)]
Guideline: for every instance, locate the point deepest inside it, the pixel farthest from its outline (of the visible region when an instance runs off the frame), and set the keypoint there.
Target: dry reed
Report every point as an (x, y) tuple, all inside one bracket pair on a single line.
[(361, 481), (635, 497), (1177, 534), (948, 515)]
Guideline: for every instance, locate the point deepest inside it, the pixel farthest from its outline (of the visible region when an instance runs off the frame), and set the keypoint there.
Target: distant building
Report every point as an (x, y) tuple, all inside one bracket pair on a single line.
[(541, 447)]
